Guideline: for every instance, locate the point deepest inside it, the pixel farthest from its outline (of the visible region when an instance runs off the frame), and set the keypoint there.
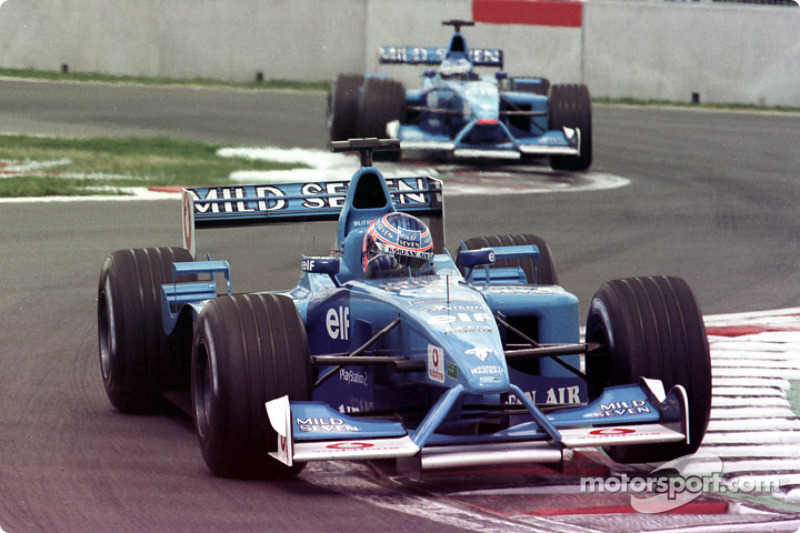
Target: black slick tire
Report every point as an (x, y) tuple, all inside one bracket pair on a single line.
[(248, 349), (138, 361), (571, 106), (652, 327), (543, 271), (383, 102), (343, 98)]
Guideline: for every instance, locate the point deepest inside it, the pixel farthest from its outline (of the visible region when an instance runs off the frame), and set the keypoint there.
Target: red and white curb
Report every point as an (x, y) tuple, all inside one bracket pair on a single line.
[(326, 166), (755, 357)]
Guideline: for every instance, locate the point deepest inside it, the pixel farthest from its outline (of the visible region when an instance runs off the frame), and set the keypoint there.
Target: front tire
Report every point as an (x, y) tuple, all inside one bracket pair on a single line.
[(383, 102), (571, 106), (137, 359), (343, 107), (248, 349), (653, 328)]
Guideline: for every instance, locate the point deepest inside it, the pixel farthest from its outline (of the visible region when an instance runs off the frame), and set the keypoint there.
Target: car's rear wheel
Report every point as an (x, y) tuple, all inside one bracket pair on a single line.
[(343, 107), (542, 271), (651, 327), (571, 106), (137, 359), (248, 349)]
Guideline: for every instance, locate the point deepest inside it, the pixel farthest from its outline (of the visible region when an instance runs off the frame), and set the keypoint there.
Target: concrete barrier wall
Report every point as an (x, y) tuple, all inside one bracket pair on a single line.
[(643, 50), (662, 51), (306, 40)]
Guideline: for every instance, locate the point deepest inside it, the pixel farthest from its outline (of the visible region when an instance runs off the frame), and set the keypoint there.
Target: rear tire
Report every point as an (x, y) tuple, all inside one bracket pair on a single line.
[(138, 361), (544, 272), (248, 349), (343, 107), (571, 106), (652, 328)]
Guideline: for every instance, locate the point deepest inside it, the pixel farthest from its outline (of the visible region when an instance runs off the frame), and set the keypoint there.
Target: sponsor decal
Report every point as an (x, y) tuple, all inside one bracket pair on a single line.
[(481, 352), (325, 425), (486, 369), (188, 222), (617, 432), (452, 370), (337, 323), (350, 446), (321, 196), (616, 409), (612, 431), (328, 188), (409, 284), (467, 329), (269, 199), (446, 307), (555, 396), (436, 363), (420, 55), (351, 377), (462, 318)]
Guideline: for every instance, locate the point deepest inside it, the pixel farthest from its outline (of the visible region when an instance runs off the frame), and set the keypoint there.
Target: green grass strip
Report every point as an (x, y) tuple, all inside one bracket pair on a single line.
[(140, 80), (104, 165)]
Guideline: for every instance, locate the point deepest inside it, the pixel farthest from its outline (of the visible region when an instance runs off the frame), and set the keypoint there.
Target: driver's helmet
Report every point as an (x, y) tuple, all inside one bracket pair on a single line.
[(396, 244), (455, 69)]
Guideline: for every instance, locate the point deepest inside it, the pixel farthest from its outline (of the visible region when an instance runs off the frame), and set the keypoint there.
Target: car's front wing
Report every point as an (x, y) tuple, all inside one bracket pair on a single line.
[(623, 415), (505, 145)]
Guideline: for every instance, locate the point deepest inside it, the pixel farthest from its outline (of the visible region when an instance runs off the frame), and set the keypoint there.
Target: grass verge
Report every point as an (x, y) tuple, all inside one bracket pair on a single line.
[(49, 166), (108, 78)]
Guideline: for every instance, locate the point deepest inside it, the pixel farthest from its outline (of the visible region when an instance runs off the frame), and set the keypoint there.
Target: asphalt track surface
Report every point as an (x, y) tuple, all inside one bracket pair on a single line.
[(713, 198)]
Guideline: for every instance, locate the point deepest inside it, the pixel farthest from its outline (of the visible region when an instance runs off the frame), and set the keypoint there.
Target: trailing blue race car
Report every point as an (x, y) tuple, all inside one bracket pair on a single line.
[(389, 348), (457, 113)]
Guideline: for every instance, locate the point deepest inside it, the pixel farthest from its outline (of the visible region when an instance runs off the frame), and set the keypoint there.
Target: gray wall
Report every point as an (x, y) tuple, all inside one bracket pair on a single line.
[(636, 49)]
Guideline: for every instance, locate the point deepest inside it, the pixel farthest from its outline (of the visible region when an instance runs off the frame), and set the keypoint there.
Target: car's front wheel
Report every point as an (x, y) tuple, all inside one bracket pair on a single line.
[(343, 99), (571, 107), (248, 349), (651, 327)]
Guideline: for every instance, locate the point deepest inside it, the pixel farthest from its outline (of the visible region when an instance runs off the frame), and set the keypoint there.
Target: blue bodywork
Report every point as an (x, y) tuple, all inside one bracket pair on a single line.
[(456, 111), (418, 366)]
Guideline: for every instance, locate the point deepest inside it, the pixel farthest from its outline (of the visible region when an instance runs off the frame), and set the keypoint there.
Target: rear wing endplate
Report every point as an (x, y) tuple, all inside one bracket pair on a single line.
[(418, 55), (223, 206)]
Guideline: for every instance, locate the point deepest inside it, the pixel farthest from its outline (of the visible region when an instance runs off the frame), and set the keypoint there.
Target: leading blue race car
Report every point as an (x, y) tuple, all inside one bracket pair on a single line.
[(456, 113), (390, 349)]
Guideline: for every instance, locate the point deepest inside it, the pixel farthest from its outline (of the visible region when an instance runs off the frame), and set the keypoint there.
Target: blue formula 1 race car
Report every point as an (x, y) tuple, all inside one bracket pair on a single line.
[(388, 348), (457, 113)]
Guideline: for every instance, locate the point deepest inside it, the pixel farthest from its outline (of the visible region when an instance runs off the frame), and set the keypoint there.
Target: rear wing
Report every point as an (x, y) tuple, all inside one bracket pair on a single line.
[(417, 55), (209, 207)]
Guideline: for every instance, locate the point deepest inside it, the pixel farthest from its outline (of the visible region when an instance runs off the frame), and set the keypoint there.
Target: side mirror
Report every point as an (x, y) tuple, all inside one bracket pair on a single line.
[(473, 258), (320, 265)]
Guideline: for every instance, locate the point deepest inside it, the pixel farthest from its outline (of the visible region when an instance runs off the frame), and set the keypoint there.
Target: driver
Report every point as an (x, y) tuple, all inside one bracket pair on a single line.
[(456, 69), (396, 244)]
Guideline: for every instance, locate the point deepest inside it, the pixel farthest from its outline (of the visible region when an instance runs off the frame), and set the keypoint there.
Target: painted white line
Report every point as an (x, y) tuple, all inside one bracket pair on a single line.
[(749, 401), (745, 413), (774, 383), (737, 319), (765, 373), (457, 179), (756, 429), (718, 391), (767, 451)]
